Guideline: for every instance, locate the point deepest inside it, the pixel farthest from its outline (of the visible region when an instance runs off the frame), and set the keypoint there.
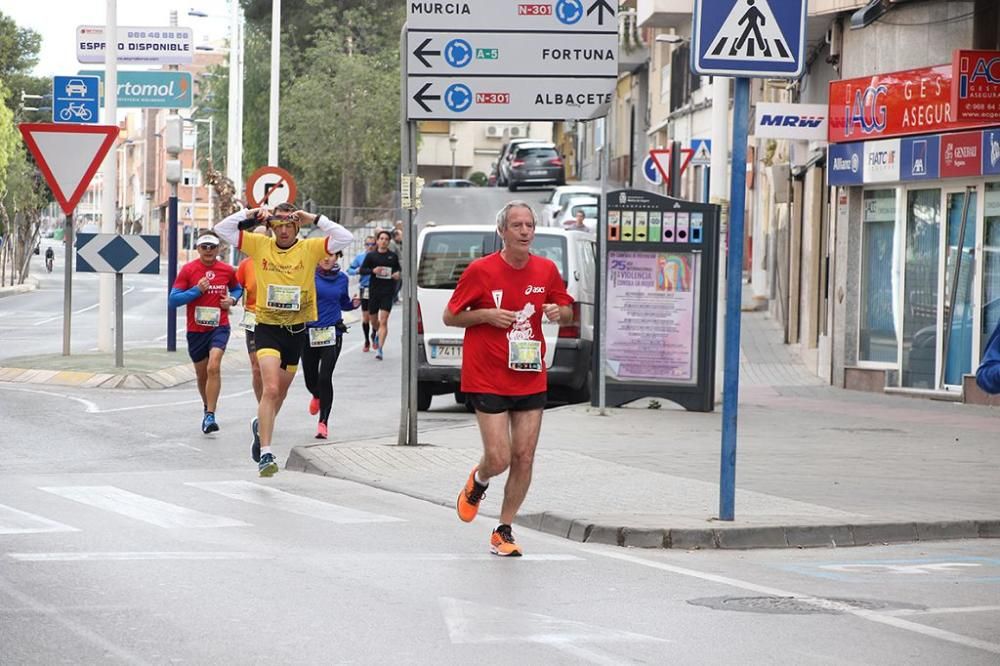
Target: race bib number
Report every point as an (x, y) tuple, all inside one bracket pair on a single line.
[(284, 297), (525, 355), (382, 272), (249, 321), (205, 316), (364, 293), (322, 337)]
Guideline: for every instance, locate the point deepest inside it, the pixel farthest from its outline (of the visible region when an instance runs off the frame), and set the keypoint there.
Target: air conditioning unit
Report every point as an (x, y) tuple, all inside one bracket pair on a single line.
[(517, 131), (494, 131)]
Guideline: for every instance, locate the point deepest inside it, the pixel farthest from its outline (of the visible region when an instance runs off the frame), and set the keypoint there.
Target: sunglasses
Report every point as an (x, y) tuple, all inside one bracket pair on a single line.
[(369, 244), (207, 246)]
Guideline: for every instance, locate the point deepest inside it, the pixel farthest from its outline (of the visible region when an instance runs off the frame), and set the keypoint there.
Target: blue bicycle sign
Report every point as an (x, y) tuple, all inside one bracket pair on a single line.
[(75, 99)]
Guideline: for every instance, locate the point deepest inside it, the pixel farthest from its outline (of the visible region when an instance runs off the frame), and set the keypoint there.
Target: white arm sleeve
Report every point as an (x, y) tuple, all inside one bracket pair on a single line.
[(228, 230), (337, 237)]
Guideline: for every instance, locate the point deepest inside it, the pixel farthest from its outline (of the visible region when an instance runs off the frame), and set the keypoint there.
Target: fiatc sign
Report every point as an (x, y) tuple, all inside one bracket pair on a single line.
[(489, 60), (975, 93)]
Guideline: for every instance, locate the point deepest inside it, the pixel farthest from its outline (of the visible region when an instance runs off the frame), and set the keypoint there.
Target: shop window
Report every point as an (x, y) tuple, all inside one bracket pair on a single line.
[(877, 334), (920, 288), (957, 331), (682, 80), (991, 264)]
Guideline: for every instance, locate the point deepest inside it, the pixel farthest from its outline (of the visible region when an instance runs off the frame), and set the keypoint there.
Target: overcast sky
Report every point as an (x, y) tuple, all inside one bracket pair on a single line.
[(57, 20)]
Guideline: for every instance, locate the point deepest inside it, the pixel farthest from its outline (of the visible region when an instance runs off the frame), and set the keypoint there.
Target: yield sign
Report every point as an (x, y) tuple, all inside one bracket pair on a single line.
[(68, 155), (661, 158)]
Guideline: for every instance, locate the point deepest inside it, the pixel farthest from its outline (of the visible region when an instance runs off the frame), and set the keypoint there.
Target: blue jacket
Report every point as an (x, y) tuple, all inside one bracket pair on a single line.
[(355, 265), (331, 297), (988, 374)]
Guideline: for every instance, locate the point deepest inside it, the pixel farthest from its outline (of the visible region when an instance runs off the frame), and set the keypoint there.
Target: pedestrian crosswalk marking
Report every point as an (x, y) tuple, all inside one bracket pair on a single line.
[(15, 521), (133, 556), (750, 31), (152, 511), (272, 498)]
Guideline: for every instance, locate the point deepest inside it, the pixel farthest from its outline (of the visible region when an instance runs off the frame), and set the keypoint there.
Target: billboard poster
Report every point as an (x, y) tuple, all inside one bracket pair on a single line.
[(653, 317)]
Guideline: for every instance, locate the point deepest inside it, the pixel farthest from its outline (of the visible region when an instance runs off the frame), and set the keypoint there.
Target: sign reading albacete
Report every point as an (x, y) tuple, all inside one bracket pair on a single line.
[(504, 60)]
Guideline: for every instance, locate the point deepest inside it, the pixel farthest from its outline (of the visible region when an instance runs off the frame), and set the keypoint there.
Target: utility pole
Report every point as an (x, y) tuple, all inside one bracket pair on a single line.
[(106, 281)]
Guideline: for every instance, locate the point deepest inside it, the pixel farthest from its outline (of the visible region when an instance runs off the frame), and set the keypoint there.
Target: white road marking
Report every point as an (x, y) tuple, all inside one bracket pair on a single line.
[(453, 557), (872, 616), (471, 623), (91, 406), (177, 403), (133, 556), (942, 611), (15, 521), (152, 511), (126, 292), (272, 498), (905, 569)]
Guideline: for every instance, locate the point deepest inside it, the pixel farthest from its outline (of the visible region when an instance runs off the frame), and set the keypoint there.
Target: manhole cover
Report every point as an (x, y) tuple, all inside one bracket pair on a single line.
[(798, 606)]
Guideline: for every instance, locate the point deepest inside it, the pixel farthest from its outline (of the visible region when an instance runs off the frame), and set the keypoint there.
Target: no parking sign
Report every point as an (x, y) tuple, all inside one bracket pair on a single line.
[(270, 186)]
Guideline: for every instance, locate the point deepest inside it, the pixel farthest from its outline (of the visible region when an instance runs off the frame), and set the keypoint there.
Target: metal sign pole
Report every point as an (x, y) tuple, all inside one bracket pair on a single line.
[(602, 246), (407, 163), (734, 285), (119, 321), (67, 282)]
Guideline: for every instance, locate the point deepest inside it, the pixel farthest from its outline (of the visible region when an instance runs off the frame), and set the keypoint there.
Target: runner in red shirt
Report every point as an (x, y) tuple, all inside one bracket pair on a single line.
[(499, 301), (209, 288)]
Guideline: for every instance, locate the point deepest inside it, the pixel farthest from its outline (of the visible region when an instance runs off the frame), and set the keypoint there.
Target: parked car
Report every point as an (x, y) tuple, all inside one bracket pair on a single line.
[(452, 182), (443, 254), (535, 164), (554, 204), (506, 151), (567, 215)]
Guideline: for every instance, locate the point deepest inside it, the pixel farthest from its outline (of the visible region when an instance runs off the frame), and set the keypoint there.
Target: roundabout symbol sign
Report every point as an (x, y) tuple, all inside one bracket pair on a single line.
[(569, 11), (458, 53), (458, 97)]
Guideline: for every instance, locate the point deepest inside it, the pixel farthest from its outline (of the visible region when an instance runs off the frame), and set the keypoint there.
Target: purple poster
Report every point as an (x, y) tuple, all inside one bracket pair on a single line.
[(652, 316)]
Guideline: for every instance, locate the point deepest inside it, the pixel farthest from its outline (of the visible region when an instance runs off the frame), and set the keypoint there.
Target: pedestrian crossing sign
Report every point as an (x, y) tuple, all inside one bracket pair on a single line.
[(749, 38)]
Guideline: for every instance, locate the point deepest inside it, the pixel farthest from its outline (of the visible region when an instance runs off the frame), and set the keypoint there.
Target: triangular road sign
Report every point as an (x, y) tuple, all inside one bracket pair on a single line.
[(68, 155), (751, 31), (661, 158)]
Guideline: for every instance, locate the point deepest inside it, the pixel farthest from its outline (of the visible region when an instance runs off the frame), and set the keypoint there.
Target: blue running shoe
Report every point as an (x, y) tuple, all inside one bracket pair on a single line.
[(374, 340), (267, 466), (208, 423), (255, 446), (378, 354)]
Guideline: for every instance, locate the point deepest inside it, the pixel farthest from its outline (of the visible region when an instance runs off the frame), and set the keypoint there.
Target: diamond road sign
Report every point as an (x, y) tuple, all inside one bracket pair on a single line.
[(752, 38), (114, 253), (490, 60)]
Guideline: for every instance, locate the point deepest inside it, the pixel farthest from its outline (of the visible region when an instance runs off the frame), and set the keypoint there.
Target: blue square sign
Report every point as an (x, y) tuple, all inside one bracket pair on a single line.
[(75, 99), (749, 38)]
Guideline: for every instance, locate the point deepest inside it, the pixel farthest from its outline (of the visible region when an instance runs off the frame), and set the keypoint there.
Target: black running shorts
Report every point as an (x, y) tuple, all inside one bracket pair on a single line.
[(378, 302), (490, 403), (284, 342)]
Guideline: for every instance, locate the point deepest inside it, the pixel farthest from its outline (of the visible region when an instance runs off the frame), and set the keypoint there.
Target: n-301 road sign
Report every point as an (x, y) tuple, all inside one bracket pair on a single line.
[(511, 54), (116, 253), (506, 15), (752, 38), (505, 98)]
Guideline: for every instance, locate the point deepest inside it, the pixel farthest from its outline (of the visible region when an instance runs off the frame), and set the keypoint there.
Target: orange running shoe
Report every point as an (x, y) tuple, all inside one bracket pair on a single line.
[(469, 498), (502, 542), (314, 406)]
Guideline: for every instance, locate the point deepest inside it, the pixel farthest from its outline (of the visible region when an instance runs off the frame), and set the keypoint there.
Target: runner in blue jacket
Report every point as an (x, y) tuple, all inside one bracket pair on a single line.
[(324, 338), (363, 285), (988, 374)]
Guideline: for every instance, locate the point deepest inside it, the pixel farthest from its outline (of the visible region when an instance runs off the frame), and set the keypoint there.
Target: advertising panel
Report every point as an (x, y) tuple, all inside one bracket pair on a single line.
[(797, 122), (882, 161), (961, 154), (137, 45), (920, 158), (991, 152), (916, 101), (976, 93), (844, 160)]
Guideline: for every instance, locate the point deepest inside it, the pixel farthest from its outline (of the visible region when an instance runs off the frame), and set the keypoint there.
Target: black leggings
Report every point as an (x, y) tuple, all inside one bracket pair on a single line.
[(318, 364)]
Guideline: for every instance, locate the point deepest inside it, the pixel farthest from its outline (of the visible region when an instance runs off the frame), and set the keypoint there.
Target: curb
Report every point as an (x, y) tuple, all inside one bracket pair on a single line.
[(30, 284), (300, 459)]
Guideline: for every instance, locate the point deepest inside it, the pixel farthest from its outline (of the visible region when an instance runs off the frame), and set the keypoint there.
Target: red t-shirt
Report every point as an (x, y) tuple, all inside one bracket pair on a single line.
[(222, 278), (486, 348)]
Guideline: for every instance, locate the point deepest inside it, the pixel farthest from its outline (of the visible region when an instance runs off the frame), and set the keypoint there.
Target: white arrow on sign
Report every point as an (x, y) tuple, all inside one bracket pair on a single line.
[(114, 253)]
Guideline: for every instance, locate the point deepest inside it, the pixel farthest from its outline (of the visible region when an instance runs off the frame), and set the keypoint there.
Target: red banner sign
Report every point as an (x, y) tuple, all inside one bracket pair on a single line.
[(961, 155), (915, 101), (975, 94)]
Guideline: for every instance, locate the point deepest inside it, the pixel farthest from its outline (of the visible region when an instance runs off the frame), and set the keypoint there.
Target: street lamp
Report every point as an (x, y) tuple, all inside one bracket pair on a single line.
[(453, 140)]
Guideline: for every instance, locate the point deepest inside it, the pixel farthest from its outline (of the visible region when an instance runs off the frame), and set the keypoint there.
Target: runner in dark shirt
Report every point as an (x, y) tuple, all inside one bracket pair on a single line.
[(383, 266)]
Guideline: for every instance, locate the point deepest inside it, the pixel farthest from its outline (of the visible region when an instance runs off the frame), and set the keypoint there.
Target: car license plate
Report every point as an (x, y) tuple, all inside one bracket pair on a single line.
[(537, 172), (446, 351)]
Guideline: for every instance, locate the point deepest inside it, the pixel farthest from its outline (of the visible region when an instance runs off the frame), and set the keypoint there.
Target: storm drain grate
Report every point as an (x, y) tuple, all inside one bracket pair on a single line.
[(798, 605)]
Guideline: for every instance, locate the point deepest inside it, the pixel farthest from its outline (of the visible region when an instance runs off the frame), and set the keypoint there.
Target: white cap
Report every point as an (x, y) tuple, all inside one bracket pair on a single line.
[(207, 239)]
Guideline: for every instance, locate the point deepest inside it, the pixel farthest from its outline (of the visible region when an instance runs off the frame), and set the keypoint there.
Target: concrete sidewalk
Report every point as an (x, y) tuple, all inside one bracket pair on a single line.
[(817, 466)]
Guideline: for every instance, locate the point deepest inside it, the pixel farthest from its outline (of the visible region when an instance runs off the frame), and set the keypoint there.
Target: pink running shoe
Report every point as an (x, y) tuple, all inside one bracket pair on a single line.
[(314, 406), (321, 431)]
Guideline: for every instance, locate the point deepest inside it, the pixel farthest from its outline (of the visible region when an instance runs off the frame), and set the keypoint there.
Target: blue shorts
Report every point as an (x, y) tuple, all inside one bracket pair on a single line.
[(199, 344)]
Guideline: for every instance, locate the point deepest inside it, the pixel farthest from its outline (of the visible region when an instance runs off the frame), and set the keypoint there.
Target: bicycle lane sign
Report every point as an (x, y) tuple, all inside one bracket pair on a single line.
[(75, 99)]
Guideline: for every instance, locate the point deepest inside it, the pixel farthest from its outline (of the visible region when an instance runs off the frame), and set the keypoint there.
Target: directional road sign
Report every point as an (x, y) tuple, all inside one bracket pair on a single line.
[(752, 38), (651, 171), (116, 253), (506, 98), (489, 60), (270, 186), (68, 155), (75, 99), (510, 54), (152, 89), (507, 15)]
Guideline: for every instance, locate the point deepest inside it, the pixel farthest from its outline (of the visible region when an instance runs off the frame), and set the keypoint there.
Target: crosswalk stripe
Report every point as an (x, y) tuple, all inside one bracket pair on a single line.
[(133, 556), (15, 521), (155, 512), (261, 495)]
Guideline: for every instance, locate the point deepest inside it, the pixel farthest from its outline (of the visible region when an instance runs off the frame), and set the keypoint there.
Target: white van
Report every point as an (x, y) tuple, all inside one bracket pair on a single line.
[(444, 252)]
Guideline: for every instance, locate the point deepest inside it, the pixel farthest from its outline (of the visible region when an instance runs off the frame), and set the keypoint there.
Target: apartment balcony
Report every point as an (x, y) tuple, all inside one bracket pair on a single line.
[(663, 13)]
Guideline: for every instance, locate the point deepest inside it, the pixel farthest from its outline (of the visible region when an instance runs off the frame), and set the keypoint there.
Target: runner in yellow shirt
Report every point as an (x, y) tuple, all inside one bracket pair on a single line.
[(284, 267)]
